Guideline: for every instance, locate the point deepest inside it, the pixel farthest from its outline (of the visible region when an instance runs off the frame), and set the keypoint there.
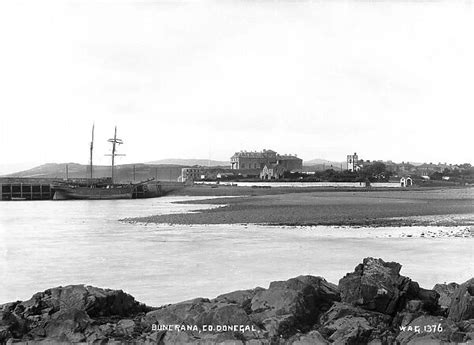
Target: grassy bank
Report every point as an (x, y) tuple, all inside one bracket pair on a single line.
[(329, 206)]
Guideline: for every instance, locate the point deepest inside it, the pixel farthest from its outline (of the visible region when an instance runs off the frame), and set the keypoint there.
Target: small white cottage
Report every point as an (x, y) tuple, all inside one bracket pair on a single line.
[(272, 172), (406, 181)]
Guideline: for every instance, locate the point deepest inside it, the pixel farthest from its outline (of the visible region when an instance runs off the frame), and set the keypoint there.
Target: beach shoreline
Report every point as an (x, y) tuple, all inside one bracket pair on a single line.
[(331, 207)]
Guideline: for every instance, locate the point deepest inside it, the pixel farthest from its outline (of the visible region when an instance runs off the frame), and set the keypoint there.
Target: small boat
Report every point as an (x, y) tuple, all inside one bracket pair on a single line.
[(97, 189)]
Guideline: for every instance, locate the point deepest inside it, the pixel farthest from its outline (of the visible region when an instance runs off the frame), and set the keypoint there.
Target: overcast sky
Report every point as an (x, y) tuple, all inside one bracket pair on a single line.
[(203, 79)]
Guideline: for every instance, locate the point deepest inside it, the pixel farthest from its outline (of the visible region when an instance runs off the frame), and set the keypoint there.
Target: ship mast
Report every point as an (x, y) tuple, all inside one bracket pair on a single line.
[(114, 142), (91, 149)]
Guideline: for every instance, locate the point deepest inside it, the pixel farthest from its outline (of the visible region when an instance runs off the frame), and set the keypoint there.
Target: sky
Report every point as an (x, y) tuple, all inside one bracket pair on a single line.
[(390, 80)]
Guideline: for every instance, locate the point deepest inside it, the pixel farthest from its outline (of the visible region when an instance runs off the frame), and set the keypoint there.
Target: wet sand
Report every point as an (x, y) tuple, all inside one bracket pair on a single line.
[(293, 207)]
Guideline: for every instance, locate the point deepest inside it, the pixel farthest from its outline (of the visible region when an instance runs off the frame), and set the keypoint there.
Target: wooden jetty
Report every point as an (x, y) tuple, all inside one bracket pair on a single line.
[(17, 188), (25, 189)]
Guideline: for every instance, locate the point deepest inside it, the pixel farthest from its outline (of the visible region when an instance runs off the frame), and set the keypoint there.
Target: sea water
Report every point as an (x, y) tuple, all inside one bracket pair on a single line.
[(44, 244)]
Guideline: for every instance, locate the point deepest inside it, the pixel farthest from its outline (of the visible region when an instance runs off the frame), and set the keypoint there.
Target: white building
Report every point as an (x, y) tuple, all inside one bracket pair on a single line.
[(353, 162), (406, 181)]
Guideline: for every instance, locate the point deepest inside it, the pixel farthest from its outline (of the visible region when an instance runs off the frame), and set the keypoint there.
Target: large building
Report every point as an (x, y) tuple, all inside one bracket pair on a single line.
[(353, 162), (244, 160)]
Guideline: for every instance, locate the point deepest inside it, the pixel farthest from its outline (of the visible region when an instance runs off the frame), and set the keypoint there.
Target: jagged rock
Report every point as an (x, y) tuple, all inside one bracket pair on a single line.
[(94, 301), (242, 298), (184, 312), (350, 330), (172, 338), (377, 285), (377, 301), (311, 338), (65, 314), (292, 305), (125, 327), (68, 325), (429, 328), (203, 312), (224, 314), (11, 325), (445, 292), (462, 304), (344, 322)]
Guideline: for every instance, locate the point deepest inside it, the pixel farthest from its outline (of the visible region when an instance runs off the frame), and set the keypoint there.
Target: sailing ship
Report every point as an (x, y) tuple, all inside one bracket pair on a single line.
[(96, 189)]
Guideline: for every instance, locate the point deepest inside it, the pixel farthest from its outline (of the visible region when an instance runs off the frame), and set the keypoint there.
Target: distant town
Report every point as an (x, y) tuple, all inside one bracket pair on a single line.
[(267, 165), (270, 165)]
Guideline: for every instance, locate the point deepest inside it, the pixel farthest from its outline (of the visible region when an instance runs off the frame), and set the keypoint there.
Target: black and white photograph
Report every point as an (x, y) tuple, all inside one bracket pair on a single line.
[(238, 172)]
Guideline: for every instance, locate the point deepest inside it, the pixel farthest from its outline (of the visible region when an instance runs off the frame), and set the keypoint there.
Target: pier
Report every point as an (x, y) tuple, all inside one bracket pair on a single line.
[(16, 188), (26, 189)]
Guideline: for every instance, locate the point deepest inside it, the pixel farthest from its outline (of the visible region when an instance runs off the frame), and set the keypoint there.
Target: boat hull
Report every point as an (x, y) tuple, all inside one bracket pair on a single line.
[(87, 193)]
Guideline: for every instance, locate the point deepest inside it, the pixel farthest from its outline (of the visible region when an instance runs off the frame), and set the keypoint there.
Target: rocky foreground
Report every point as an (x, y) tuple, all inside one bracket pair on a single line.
[(372, 305)]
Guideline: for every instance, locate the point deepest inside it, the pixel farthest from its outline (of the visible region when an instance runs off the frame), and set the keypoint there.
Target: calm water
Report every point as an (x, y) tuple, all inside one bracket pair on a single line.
[(50, 243)]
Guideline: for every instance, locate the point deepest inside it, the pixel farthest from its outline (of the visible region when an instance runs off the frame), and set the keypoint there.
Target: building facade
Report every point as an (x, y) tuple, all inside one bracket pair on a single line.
[(244, 160), (190, 174), (353, 162), (272, 172)]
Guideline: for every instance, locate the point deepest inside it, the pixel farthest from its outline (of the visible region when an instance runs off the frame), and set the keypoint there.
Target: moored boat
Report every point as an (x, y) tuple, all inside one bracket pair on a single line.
[(93, 192), (94, 189)]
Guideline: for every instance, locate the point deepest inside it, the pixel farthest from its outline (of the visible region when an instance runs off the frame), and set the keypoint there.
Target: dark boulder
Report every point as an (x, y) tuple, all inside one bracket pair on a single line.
[(66, 314), (68, 326), (430, 329), (445, 292), (242, 298), (10, 325), (344, 323), (200, 313), (462, 302), (310, 338), (94, 301), (373, 305), (293, 305), (378, 286), (185, 312)]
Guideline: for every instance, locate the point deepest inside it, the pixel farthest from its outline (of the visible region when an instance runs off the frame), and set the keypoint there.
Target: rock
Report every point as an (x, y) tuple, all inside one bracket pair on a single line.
[(125, 327), (68, 326), (10, 325), (429, 328), (172, 338), (224, 314), (292, 305), (65, 314), (350, 330), (445, 292), (343, 322), (311, 338), (184, 312), (94, 301), (242, 298), (378, 286), (462, 304), (374, 305), (201, 312)]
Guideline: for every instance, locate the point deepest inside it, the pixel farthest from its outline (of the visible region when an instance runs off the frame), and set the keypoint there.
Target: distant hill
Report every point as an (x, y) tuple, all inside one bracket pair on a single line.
[(319, 161), (123, 173), (191, 162)]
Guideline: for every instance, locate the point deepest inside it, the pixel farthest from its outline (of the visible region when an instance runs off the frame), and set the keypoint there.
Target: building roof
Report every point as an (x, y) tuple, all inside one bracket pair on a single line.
[(263, 154)]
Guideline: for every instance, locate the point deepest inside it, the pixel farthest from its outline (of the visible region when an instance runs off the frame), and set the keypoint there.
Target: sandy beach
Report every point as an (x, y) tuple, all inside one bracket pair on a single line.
[(294, 207)]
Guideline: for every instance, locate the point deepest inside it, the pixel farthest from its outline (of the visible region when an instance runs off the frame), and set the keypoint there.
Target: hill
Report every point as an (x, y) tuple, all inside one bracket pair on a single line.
[(319, 161), (191, 162), (124, 173)]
